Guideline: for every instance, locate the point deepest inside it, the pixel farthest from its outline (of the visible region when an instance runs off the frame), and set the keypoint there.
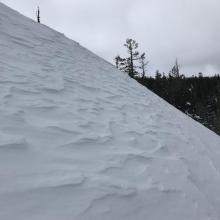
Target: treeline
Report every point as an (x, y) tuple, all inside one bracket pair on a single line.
[(197, 96)]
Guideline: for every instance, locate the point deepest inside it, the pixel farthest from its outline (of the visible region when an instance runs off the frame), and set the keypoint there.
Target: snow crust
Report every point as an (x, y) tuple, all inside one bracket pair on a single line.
[(80, 140)]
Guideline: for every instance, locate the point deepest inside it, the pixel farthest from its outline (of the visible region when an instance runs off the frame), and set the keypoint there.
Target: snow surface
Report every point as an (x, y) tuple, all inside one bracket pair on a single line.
[(80, 140)]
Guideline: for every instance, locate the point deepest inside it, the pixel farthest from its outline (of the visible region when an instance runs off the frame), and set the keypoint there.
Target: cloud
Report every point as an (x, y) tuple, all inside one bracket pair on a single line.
[(168, 29)]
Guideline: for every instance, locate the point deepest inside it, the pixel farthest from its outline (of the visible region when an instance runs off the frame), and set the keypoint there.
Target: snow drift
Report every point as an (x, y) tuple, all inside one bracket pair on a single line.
[(80, 140)]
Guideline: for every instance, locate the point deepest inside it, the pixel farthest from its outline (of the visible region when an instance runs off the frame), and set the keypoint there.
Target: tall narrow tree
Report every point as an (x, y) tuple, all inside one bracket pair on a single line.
[(131, 46), (118, 61), (38, 14), (175, 71), (143, 64)]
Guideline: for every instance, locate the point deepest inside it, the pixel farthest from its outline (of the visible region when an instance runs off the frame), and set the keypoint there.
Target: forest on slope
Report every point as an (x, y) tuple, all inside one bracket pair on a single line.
[(197, 96)]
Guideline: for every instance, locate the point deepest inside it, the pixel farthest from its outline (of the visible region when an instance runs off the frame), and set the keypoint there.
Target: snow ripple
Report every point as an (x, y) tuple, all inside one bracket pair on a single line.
[(80, 140)]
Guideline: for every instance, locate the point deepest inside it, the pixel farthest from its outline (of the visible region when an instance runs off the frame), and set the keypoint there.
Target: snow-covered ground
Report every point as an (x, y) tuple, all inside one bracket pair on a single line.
[(80, 140)]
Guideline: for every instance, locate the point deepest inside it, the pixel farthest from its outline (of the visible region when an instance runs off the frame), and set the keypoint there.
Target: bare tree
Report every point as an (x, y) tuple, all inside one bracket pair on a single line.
[(38, 14), (143, 64)]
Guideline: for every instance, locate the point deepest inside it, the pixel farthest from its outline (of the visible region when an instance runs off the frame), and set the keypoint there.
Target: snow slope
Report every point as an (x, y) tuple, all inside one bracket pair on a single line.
[(80, 140)]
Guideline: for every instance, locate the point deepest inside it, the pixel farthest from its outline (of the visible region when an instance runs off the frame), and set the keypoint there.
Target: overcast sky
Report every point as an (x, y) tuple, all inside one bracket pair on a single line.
[(164, 29)]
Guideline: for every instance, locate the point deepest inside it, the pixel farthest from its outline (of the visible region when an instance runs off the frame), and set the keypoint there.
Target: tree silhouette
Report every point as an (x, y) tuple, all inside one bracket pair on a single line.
[(127, 65), (38, 14), (175, 71), (143, 64)]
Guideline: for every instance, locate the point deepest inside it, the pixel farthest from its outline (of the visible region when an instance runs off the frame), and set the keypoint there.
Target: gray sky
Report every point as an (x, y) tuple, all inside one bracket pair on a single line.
[(164, 29)]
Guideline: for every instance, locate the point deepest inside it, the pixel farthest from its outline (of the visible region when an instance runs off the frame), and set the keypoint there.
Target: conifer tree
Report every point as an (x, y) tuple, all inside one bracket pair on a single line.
[(120, 63), (175, 71), (38, 14), (130, 66), (158, 75), (117, 61), (143, 64)]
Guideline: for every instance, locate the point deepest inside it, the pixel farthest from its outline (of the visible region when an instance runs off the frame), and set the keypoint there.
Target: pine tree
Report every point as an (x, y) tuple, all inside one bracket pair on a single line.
[(130, 67), (120, 63), (143, 64), (117, 61), (158, 75), (38, 15), (175, 71), (200, 74)]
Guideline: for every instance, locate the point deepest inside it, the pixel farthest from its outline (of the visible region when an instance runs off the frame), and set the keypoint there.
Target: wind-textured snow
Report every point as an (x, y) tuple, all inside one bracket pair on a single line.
[(80, 140)]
